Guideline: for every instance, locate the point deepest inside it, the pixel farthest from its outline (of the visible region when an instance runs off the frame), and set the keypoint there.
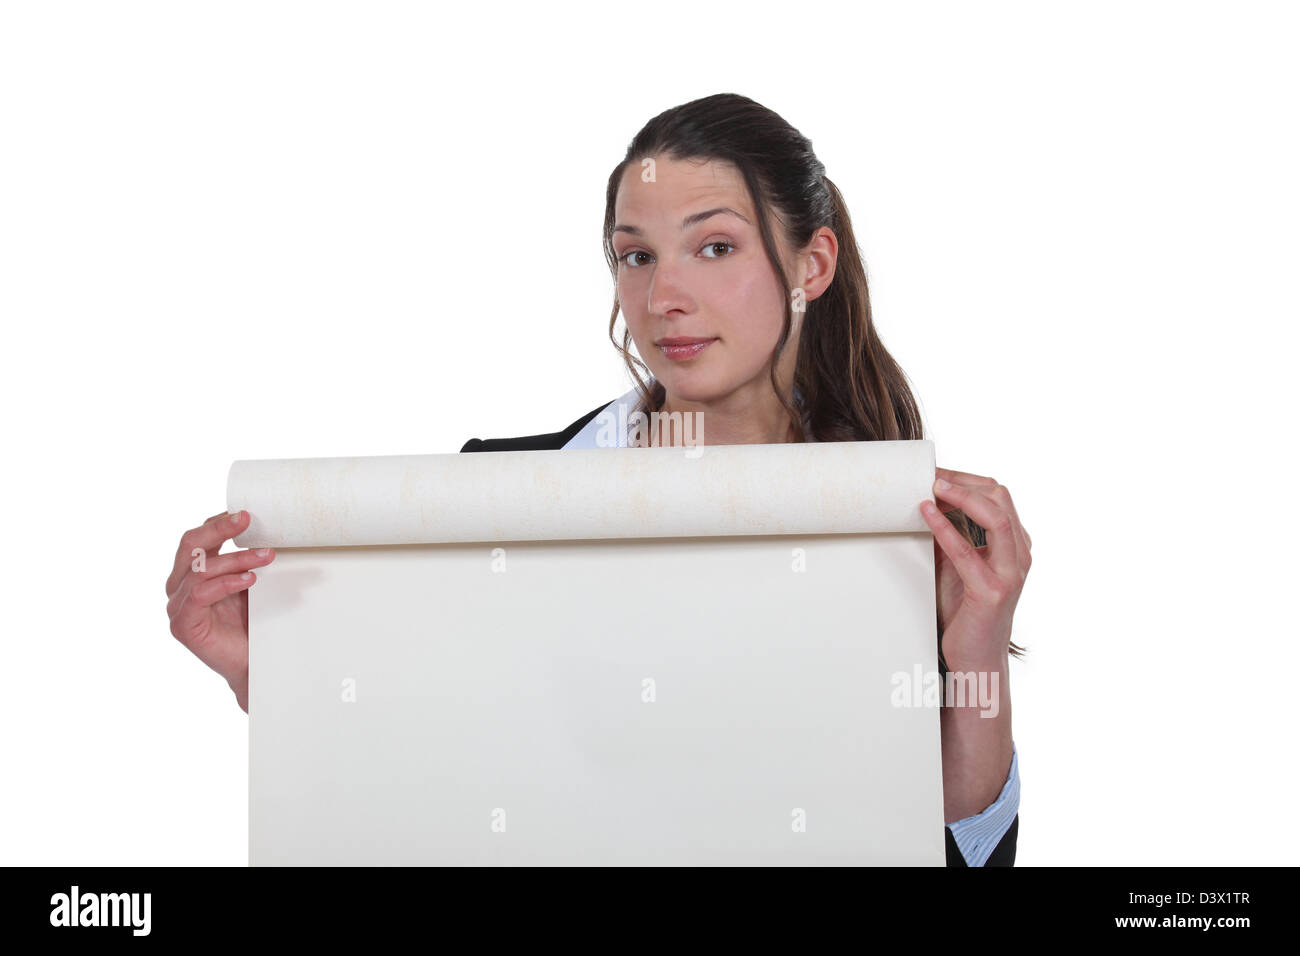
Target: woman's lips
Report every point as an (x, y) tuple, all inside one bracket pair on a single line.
[(680, 350)]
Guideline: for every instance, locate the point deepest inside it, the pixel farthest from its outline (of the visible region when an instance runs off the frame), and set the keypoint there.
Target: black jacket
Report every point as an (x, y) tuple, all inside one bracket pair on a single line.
[(1004, 854)]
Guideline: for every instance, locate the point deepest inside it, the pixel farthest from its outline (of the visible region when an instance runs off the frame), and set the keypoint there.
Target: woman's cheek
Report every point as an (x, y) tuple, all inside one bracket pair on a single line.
[(753, 321)]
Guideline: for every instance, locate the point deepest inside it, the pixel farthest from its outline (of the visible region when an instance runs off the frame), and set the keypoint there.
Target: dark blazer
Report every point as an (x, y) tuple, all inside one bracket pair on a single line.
[(1004, 854), (550, 440)]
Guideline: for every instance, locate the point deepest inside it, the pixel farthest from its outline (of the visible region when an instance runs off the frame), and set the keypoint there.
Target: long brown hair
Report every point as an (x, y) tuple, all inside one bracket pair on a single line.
[(851, 388)]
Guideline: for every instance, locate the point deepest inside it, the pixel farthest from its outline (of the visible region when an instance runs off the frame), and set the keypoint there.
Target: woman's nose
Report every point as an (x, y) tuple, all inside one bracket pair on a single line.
[(668, 291)]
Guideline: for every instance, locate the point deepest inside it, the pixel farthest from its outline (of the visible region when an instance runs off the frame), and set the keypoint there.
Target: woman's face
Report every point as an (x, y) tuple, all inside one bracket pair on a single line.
[(692, 266)]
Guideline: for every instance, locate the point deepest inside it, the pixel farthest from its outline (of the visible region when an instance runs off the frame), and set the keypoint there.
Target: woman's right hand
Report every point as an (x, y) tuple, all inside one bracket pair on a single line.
[(209, 608)]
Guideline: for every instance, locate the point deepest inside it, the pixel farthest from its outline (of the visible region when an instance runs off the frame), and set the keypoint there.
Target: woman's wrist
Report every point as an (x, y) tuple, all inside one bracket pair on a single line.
[(958, 658)]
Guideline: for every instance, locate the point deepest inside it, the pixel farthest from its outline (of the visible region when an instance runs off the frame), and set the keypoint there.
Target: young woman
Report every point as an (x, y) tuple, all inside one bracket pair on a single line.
[(740, 282)]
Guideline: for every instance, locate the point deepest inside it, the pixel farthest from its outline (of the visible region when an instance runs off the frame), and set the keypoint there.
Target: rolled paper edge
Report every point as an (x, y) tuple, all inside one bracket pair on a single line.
[(564, 495)]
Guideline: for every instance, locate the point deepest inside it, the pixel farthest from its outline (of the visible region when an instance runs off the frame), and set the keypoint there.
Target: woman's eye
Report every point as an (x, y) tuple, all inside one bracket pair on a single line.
[(629, 258)]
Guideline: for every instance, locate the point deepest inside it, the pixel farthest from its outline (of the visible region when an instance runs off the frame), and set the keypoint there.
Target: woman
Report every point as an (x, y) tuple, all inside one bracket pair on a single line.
[(739, 278)]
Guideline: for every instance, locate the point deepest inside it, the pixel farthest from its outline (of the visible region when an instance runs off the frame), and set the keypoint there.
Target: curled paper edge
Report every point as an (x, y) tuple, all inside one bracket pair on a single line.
[(715, 490)]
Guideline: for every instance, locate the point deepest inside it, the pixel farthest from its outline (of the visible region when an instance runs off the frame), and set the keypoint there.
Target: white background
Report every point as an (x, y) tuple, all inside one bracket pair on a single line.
[(1080, 226)]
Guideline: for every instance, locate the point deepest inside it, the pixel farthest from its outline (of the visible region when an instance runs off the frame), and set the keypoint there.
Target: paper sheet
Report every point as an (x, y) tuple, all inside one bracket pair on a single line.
[(598, 657)]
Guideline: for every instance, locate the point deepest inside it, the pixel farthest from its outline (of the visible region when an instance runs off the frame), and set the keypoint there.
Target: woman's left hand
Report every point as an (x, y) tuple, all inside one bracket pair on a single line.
[(977, 588)]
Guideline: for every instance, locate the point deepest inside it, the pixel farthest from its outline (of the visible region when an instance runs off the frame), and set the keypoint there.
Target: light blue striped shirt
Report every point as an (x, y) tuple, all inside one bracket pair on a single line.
[(976, 836)]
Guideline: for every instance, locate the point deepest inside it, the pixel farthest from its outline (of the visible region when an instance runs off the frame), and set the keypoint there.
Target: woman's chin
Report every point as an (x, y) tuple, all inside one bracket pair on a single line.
[(689, 388)]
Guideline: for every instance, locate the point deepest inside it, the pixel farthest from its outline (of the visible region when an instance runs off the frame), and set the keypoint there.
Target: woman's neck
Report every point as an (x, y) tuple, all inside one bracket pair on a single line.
[(737, 420)]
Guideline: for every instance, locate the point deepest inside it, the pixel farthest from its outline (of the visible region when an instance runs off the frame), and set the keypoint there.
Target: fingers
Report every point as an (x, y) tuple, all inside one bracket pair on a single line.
[(209, 536), (233, 563), (237, 561), (988, 484), (1026, 544), (995, 517), (209, 592), (970, 566), (962, 477), (194, 624), (1001, 498)]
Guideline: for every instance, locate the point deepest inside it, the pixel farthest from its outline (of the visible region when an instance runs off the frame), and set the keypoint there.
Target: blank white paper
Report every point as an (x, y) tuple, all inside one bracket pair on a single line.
[(593, 657)]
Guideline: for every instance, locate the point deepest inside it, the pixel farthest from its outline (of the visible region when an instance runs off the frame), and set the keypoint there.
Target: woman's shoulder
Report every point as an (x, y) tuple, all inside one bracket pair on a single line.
[(548, 440)]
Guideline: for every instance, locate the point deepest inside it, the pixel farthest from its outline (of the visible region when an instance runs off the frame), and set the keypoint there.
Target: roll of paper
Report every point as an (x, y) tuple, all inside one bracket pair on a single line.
[(645, 656), (716, 490)]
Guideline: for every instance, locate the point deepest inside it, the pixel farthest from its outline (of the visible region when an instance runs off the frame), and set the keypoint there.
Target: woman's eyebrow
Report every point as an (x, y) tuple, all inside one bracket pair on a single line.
[(689, 220)]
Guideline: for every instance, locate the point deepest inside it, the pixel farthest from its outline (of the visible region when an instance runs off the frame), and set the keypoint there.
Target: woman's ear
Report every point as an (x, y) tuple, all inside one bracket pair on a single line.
[(817, 263)]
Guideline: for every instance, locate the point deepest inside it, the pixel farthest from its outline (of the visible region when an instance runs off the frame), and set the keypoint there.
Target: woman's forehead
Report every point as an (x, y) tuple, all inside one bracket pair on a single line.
[(677, 188)]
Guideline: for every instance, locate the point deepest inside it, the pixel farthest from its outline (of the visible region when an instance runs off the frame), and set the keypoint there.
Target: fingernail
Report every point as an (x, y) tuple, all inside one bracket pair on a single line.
[(262, 552), (236, 515), (941, 484)]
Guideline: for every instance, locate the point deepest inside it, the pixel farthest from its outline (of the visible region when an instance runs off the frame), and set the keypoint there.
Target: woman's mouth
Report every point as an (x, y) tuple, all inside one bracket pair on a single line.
[(682, 348)]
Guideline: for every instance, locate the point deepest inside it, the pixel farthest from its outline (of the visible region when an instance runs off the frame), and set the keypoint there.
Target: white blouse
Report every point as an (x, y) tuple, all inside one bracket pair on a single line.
[(614, 427)]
